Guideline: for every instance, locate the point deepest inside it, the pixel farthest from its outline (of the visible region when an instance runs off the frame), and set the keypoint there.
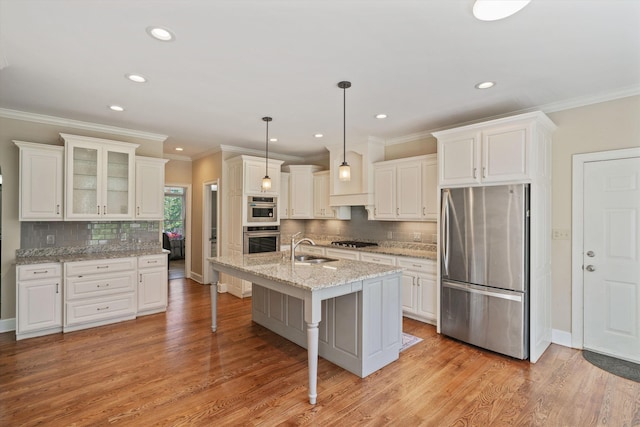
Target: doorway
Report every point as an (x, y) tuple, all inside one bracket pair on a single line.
[(174, 227), (210, 226), (605, 259)]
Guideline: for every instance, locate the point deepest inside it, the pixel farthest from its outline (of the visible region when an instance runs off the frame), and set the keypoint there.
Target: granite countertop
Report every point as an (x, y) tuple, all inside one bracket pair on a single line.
[(414, 250), (278, 266), (41, 256)]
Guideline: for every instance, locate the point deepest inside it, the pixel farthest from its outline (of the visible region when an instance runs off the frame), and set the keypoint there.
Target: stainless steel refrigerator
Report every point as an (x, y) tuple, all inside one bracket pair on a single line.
[(485, 267)]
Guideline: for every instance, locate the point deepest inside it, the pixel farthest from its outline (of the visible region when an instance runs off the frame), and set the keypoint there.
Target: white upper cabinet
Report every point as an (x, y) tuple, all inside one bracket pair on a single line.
[(283, 203), (321, 207), (405, 189), (100, 181), (41, 182), (301, 190), (254, 170), (150, 188), (498, 151)]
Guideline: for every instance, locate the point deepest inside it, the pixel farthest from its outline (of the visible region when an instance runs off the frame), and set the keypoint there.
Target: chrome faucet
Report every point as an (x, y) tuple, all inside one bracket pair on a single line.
[(295, 244)]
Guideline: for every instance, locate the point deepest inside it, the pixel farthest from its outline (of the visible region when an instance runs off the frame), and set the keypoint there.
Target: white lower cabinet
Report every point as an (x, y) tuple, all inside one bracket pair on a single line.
[(38, 300), (342, 254), (99, 292), (419, 289), (152, 284)]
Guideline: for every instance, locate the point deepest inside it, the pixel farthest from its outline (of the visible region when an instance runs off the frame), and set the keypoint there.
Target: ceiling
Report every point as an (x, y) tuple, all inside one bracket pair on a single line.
[(233, 62)]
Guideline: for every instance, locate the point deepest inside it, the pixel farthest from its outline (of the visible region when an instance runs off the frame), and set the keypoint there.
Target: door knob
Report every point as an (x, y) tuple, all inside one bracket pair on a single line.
[(591, 254), (591, 268)]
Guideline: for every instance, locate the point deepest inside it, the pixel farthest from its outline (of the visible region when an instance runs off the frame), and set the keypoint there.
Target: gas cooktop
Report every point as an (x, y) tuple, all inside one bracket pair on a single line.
[(353, 244)]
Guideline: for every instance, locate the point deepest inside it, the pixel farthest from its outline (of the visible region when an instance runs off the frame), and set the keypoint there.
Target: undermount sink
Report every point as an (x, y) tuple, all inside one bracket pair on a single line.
[(312, 259)]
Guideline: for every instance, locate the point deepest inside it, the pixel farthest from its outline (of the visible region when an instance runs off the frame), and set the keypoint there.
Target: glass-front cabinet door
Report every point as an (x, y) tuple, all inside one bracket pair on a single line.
[(83, 170), (100, 179)]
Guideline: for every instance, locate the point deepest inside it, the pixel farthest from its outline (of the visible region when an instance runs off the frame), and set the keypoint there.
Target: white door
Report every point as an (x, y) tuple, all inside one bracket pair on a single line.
[(611, 257)]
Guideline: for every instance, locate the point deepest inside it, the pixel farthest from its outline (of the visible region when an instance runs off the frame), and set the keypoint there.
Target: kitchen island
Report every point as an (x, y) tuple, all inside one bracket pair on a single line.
[(348, 312)]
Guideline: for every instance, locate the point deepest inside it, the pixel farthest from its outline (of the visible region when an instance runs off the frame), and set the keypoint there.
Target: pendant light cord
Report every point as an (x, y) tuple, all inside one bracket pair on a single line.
[(344, 123), (266, 165)]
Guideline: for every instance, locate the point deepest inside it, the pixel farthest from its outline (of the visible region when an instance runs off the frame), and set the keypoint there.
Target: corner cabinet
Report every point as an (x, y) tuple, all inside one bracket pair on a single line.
[(406, 189), (150, 188), (41, 182), (321, 207), (100, 179), (38, 300)]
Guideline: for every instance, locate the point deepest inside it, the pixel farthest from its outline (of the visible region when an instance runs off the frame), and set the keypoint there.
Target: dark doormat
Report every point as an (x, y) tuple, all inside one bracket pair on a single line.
[(621, 368)]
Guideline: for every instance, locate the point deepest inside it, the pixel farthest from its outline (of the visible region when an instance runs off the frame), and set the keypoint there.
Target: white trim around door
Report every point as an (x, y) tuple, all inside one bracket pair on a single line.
[(577, 229)]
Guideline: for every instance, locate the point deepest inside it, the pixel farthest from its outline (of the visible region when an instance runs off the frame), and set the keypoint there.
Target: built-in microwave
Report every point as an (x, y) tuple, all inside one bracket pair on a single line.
[(262, 209)]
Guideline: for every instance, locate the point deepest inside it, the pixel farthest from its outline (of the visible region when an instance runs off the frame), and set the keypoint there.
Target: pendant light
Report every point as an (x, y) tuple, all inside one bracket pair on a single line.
[(344, 171), (266, 181)]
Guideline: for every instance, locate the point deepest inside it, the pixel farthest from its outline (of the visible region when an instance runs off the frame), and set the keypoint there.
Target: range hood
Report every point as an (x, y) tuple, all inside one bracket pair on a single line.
[(359, 190)]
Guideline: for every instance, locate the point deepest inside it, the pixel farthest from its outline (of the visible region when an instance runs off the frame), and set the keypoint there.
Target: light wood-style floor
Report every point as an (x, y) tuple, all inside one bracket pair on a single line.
[(170, 369)]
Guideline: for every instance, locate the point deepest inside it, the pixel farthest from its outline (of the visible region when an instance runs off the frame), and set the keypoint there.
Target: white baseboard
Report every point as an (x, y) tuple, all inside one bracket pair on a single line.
[(197, 278), (223, 288), (7, 325), (562, 338)]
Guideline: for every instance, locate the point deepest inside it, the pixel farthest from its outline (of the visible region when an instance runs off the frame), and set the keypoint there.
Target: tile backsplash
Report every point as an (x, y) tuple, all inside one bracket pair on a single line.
[(360, 228), (54, 234)]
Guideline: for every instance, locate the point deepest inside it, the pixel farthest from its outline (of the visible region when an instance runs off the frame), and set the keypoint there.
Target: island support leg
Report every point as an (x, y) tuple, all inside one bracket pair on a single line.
[(312, 360), (312, 317), (214, 301)]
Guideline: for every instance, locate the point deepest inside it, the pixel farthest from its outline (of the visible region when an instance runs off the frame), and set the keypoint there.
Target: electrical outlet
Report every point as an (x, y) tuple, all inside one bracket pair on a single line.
[(417, 236), (51, 239), (389, 234), (561, 234)]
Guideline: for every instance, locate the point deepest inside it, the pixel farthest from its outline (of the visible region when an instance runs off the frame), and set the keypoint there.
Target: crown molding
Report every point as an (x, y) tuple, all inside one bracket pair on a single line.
[(583, 101), (408, 138), (77, 124), (260, 153), (176, 157)]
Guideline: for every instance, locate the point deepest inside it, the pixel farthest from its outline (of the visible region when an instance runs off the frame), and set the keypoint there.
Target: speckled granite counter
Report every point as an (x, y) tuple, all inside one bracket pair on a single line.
[(277, 266), (414, 250), (46, 255)]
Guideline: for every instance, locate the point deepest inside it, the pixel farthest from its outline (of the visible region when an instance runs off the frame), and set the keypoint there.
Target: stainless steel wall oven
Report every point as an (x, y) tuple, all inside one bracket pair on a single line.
[(262, 209), (262, 238)]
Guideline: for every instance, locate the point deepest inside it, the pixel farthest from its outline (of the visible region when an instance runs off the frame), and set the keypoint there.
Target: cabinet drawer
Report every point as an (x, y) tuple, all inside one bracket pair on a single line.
[(79, 268), (342, 254), (377, 258), (38, 271), (96, 285), (416, 264), (96, 309), (149, 261)]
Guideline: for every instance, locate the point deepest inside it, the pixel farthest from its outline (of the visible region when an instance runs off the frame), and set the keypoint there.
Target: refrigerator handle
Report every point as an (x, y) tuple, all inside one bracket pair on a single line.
[(444, 232)]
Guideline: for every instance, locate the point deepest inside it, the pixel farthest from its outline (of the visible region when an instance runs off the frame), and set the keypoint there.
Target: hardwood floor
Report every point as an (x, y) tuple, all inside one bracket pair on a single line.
[(170, 369)]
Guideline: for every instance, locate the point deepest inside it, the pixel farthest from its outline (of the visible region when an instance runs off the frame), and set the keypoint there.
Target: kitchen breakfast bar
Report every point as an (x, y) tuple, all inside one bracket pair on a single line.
[(348, 312)]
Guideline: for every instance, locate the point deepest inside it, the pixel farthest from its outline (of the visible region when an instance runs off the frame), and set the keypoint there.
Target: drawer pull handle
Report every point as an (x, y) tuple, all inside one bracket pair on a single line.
[(99, 267), (417, 265), (152, 262), (103, 308), (57, 288), (105, 285), (41, 272)]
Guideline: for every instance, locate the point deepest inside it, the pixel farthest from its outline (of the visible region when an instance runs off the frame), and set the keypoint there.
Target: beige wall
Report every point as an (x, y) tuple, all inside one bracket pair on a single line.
[(409, 149), (205, 169), (22, 130), (178, 172), (598, 127)]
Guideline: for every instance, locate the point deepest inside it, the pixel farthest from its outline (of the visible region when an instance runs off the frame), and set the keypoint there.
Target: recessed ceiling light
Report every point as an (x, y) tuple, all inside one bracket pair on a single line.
[(179, 149), (381, 116), (160, 33), (273, 139), (136, 78), (493, 10), (116, 108), (318, 135), (485, 85)]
